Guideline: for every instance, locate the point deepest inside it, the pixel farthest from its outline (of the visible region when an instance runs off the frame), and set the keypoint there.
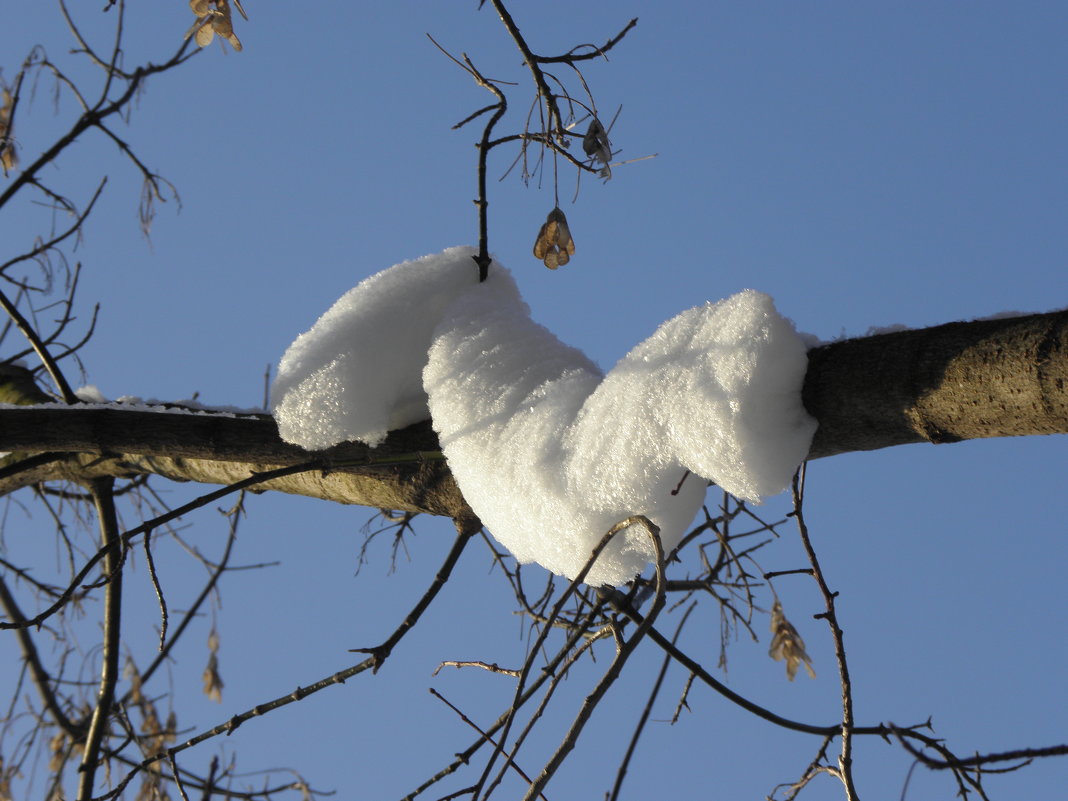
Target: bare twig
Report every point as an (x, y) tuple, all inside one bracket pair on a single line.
[(466, 528), (494, 668), (644, 718), (158, 590), (594, 52), (474, 726), (564, 656), (42, 681), (845, 759), (92, 118), (193, 610), (1025, 755), (203, 500), (622, 655), (39, 347), (542, 634), (112, 548)]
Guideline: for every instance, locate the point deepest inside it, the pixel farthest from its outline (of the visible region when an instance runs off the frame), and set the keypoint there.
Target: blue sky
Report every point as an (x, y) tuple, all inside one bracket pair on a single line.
[(865, 165)]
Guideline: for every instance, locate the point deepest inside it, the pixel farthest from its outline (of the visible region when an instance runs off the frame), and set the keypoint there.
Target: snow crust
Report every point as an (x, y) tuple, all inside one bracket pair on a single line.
[(90, 398), (549, 452)]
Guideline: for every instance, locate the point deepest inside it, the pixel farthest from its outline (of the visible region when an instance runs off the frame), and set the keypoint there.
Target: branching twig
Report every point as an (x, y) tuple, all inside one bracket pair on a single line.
[(39, 347), (845, 759), (203, 500), (608, 679), (564, 656), (466, 528), (75, 227), (979, 760), (536, 646), (474, 726), (595, 52), (633, 744), (41, 679)]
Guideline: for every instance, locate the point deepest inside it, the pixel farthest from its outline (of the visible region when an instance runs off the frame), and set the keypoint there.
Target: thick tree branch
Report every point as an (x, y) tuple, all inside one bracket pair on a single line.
[(406, 472), (988, 378)]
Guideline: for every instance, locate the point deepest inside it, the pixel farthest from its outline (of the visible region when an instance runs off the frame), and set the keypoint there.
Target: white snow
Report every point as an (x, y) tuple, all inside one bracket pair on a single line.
[(357, 374), (90, 393), (549, 452)]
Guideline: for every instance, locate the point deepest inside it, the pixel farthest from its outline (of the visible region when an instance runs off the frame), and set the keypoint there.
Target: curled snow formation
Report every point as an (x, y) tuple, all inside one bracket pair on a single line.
[(549, 452), (357, 374)]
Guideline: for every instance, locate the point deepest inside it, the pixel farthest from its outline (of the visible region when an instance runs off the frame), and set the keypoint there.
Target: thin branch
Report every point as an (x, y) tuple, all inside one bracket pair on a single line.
[(845, 759), (815, 767), (92, 118), (556, 122), (112, 549), (979, 760), (491, 668), (484, 147), (157, 588), (595, 52), (644, 718), (193, 610), (610, 675), (41, 679), (620, 603), (474, 726), (542, 634), (39, 348), (466, 528), (196, 503), (563, 658)]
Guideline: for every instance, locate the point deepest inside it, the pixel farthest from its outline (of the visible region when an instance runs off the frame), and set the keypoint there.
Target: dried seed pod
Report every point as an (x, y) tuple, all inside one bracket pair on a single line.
[(554, 245), (595, 144), (220, 22)]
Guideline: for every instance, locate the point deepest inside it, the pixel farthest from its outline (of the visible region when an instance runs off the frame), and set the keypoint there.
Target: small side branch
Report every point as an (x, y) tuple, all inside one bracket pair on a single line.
[(608, 679), (1024, 755), (112, 550), (594, 52), (466, 529), (640, 727), (41, 679), (39, 348), (104, 555), (845, 759)]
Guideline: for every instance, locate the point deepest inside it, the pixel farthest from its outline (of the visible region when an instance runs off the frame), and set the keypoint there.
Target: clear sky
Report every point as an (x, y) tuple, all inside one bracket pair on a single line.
[(866, 165)]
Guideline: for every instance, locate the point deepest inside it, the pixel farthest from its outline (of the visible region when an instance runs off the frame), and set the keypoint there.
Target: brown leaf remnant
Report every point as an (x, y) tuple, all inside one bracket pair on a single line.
[(786, 644), (8, 161), (213, 683)]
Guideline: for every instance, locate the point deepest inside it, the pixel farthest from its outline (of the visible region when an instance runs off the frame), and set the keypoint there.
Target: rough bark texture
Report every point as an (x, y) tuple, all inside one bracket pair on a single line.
[(989, 378), (405, 473)]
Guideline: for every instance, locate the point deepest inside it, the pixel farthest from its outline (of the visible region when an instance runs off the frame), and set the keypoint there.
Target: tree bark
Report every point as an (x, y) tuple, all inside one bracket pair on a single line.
[(987, 378)]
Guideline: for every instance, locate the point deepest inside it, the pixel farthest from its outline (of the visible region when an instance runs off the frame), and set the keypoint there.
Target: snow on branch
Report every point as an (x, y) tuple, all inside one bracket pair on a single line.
[(549, 452)]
